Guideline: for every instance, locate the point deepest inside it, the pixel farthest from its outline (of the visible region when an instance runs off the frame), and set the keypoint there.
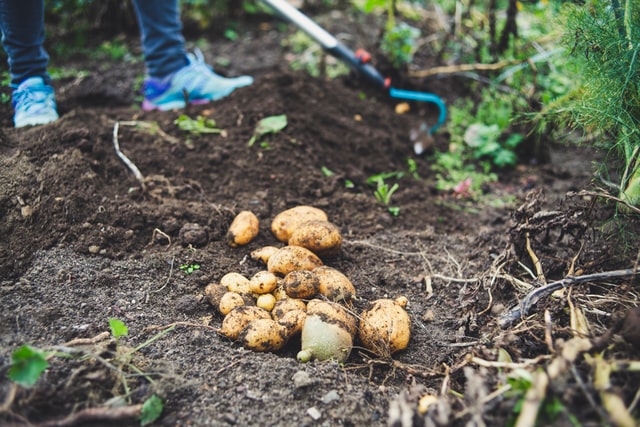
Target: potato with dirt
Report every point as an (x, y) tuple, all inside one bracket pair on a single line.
[(334, 284), (291, 258), (323, 238), (285, 223), (264, 335), (236, 282), (301, 284), (243, 229), (239, 318), (385, 326)]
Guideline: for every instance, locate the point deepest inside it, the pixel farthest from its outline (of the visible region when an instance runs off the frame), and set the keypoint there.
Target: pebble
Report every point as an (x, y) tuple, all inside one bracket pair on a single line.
[(331, 396), (314, 413), (302, 379)]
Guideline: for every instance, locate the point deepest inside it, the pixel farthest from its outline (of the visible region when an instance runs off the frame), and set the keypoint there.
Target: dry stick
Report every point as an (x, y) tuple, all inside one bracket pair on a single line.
[(454, 69), (607, 196), (95, 414), (523, 309), (125, 159)]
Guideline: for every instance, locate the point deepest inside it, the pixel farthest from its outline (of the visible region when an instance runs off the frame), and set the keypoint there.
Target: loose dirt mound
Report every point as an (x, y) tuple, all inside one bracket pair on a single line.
[(82, 242)]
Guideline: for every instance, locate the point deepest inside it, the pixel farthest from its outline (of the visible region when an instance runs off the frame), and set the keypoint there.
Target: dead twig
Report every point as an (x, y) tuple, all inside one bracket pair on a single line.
[(97, 414), (523, 309), (605, 195), (132, 166)]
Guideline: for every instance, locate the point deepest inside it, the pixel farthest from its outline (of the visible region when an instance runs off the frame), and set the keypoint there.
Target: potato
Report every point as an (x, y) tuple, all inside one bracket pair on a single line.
[(263, 282), (229, 301), (334, 284), (333, 313), (284, 224), (302, 284), (385, 327), (239, 318), (263, 335), (285, 305), (324, 340), (266, 301), (294, 321), (213, 292), (323, 238), (263, 253), (243, 229), (236, 282), (291, 258)]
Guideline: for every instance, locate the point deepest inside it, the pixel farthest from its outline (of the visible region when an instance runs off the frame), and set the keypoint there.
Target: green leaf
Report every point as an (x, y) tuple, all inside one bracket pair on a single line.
[(151, 410), (271, 124), (326, 171), (118, 328), (198, 126), (27, 364)]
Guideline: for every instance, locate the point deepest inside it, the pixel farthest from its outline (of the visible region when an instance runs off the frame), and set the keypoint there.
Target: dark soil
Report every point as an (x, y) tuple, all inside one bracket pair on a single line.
[(81, 242)]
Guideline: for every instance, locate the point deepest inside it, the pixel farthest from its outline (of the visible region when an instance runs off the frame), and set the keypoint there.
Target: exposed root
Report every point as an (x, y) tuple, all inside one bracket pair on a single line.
[(132, 166), (122, 413)]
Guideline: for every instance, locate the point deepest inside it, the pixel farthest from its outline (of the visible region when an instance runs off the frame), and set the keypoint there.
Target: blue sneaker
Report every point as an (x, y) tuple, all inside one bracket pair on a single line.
[(34, 103), (195, 83)]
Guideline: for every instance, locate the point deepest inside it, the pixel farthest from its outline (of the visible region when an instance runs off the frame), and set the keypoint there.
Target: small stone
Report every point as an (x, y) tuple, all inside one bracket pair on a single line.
[(193, 234), (94, 249), (314, 413), (26, 211), (331, 396), (302, 379)]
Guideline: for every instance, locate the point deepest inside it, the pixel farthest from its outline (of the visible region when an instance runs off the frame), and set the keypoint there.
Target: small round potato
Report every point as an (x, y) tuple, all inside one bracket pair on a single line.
[(266, 301), (284, 224), (263, 253), (294, 321), (236, 282), (243, 229), (229, 301), (285, 305), (291, 258), (385, 327), (263, 335), (239, 318), (213, 292), (263, 282), (302, 284), (334, 284), (323, 238)]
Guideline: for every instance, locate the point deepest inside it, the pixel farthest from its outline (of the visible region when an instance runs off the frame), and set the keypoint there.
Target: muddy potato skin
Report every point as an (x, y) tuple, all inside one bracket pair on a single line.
[(229, 301), (385, 325), (293, 321), (287, 221), (263, 335), (291, 258), (301, 284), (239, 318), (285, 305), (334, 284), (214, 292), (323, 238), (243, 229), (333, 312)]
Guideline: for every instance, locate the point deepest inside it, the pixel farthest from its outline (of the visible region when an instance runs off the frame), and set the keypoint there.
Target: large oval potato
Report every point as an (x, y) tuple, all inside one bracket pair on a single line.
[(333, 312), (236, 282), (284, 224), (323, 238), (291, 258), (243, 229), (334, 284), (385, 327)]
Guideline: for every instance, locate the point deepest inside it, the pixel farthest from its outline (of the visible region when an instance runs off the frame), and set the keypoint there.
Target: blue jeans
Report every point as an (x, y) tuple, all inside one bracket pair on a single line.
[(22, 26)]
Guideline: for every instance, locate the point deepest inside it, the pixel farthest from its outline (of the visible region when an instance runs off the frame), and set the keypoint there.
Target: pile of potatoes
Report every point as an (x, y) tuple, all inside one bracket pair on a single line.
[(297, 294)]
